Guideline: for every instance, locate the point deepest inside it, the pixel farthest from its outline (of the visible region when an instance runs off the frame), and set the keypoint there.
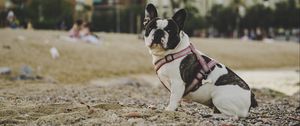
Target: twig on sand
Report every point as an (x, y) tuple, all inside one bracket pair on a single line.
[(133, 114), (91, 110), (89, 107), (294, 118)]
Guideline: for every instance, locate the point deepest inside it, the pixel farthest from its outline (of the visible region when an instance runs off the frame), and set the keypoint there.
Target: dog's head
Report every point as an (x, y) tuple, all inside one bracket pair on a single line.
[(162, 34)]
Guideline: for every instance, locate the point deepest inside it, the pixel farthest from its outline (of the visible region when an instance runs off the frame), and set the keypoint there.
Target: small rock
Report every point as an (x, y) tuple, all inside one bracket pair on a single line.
[(26, 73), (21, 38), (139, 120), (151, 107), (6, 47), (186, 100), (153, 118), (26, 70), (206, 116), (54, 53), (5, 71), (68, 110), (91, 111)]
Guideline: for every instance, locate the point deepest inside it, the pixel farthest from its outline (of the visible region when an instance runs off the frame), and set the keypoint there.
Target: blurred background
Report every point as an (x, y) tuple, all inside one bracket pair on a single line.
[(246, 19)]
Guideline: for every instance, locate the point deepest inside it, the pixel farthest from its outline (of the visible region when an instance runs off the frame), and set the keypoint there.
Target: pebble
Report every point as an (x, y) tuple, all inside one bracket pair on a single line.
[(153, 107), (139, 121), (5, 71), (26, 71), (54, 53)]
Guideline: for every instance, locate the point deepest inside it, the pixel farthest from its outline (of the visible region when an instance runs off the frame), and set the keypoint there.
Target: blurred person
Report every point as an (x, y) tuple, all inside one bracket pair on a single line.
[(211, 32), (287, 34), (12, 20), (86, 34), (62, 25), (252, 35), (73, 34), (29, 25), (259, 35), (74, 31), (271, 33), (268, 36), (245, 37), (10, 16)]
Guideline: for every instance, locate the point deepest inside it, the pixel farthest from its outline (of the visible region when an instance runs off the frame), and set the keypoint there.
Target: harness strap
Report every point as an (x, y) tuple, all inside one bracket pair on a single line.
[(202, 73), (197, 82), (171, 57), (200, 59)]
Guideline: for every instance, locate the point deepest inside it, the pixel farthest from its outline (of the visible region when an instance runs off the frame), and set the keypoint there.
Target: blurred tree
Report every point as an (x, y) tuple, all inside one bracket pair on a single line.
[(287, 15), (129, 18), (258, 16), (194, 21), (104, 20), (223, 19), (2, 18), (46, 14)]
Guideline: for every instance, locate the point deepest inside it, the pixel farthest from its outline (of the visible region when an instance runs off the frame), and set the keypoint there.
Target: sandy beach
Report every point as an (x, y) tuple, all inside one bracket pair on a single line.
[(115, 84)]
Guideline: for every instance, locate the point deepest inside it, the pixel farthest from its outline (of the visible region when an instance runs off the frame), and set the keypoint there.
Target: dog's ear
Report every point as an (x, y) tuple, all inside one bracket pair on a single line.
[(179, 18), (150, 13)]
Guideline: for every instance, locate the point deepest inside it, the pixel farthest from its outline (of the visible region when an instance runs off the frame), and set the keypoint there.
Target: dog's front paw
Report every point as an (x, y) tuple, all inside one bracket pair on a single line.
[(170, 108)]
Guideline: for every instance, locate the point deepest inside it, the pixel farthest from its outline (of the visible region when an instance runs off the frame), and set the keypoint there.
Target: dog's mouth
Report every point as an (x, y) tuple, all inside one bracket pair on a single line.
[(157, 49), (158, 43), (157, 46)]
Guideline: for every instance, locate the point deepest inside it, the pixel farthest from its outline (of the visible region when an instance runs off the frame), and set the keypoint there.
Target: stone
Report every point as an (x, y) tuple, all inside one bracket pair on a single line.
[(5, 71), (26, 71), (54, 53)]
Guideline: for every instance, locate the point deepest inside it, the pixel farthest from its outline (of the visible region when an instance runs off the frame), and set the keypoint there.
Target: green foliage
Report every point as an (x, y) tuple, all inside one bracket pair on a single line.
[(129, 18), (287, 15), (106, 19), (258, 16), (223, 18), (46, 14), (193, 21)]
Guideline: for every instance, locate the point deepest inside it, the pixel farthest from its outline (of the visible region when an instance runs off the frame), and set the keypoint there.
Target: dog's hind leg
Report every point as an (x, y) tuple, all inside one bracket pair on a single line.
[(232, 100)]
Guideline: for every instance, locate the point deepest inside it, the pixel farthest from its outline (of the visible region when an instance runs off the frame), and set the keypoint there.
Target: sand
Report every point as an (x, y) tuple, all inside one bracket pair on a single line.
[(132, 100), (115, 84)]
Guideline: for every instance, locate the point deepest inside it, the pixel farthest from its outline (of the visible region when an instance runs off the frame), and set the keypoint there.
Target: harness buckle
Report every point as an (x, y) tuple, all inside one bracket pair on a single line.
[(204, 74), (169, 58)]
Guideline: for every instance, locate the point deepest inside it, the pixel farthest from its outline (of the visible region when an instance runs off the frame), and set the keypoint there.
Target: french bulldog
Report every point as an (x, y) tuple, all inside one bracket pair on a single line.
[(188, 73)]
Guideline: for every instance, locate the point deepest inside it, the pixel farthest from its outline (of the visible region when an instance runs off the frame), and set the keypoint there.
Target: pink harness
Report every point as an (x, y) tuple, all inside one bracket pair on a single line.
[(202, 73)]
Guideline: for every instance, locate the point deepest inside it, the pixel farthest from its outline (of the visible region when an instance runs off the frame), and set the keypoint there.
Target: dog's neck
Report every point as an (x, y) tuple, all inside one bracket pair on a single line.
[(184, 43)]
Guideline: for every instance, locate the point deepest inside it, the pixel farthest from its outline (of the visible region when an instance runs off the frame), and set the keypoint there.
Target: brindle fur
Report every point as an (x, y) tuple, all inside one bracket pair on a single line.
[(189, 68), (231, 79)]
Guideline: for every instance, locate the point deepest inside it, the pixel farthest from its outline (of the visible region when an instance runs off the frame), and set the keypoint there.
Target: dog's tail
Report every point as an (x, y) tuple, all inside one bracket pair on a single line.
[(253, 101)]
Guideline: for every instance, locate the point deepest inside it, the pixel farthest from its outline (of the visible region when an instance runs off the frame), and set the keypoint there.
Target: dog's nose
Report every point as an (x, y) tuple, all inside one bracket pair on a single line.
[(158, 34)]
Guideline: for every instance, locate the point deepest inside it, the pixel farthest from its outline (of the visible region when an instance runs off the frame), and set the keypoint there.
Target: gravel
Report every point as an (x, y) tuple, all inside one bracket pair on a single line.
[(130, 103)]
